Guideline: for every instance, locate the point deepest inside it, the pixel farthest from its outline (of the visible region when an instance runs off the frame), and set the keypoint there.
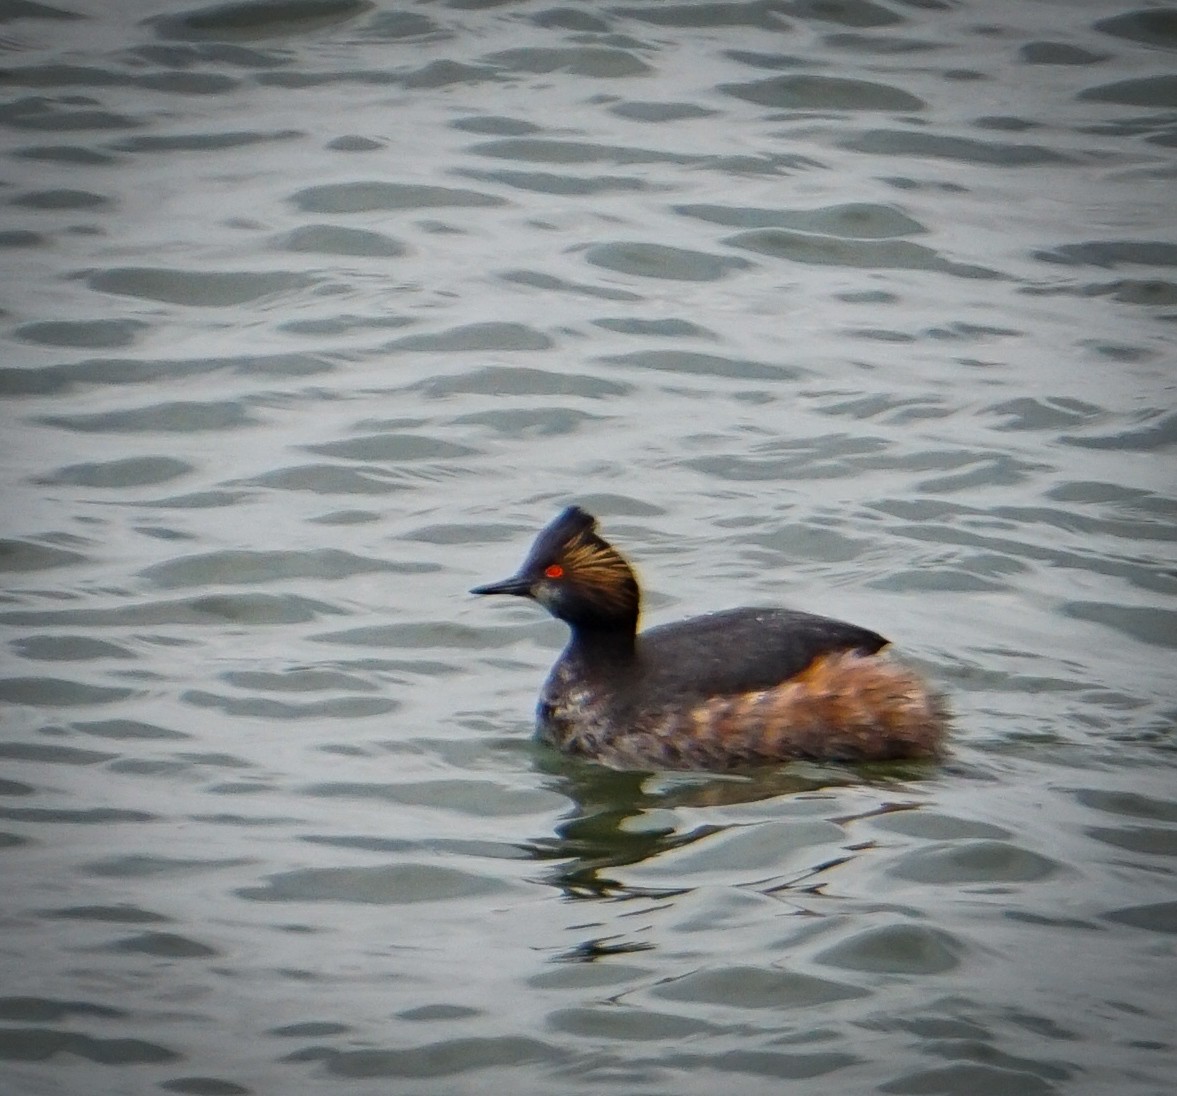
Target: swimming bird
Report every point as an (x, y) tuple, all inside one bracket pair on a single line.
[(718, 692)]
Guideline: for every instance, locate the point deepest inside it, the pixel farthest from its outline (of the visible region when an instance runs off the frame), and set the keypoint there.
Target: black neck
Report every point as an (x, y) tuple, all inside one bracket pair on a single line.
[(609, 645)]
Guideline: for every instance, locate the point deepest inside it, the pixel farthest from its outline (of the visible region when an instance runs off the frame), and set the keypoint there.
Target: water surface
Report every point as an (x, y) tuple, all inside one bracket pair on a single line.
[(316, 309)]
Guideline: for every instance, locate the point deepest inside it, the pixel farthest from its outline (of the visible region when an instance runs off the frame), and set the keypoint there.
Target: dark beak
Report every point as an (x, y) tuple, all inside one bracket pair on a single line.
[(518, 585)]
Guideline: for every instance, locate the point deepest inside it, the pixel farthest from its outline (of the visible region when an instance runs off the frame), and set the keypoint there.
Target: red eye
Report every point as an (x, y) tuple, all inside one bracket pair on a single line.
[(554, 571)]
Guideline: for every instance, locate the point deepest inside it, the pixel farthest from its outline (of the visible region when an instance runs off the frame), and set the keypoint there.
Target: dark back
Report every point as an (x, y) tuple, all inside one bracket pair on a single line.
[(741, 650)]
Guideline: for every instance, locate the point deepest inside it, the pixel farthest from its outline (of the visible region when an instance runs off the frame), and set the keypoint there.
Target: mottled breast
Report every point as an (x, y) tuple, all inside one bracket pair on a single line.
[(574, 713)]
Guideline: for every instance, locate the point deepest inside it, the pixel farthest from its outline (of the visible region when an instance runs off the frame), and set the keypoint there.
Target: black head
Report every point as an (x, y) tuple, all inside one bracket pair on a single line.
[(576, 575)]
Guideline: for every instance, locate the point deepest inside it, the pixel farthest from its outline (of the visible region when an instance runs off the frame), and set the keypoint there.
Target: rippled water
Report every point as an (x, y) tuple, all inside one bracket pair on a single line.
[(314, 310)]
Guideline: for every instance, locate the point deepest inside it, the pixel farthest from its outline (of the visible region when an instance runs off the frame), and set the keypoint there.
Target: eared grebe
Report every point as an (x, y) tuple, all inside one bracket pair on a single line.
[(730, 689)]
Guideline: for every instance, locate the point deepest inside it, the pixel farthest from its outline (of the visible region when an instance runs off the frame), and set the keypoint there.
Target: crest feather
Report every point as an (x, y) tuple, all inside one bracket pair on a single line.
[(592, 566)]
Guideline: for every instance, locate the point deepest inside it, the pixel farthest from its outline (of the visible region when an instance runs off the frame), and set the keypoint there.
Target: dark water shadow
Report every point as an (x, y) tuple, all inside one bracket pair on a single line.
[(617, 819)]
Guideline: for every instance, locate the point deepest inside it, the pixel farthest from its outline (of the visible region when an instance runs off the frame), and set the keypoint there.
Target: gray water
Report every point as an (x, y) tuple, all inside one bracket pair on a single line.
[(313, 311)]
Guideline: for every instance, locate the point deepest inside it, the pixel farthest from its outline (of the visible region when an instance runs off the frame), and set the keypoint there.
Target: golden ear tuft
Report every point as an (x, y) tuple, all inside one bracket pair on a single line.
[(600, 571)]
